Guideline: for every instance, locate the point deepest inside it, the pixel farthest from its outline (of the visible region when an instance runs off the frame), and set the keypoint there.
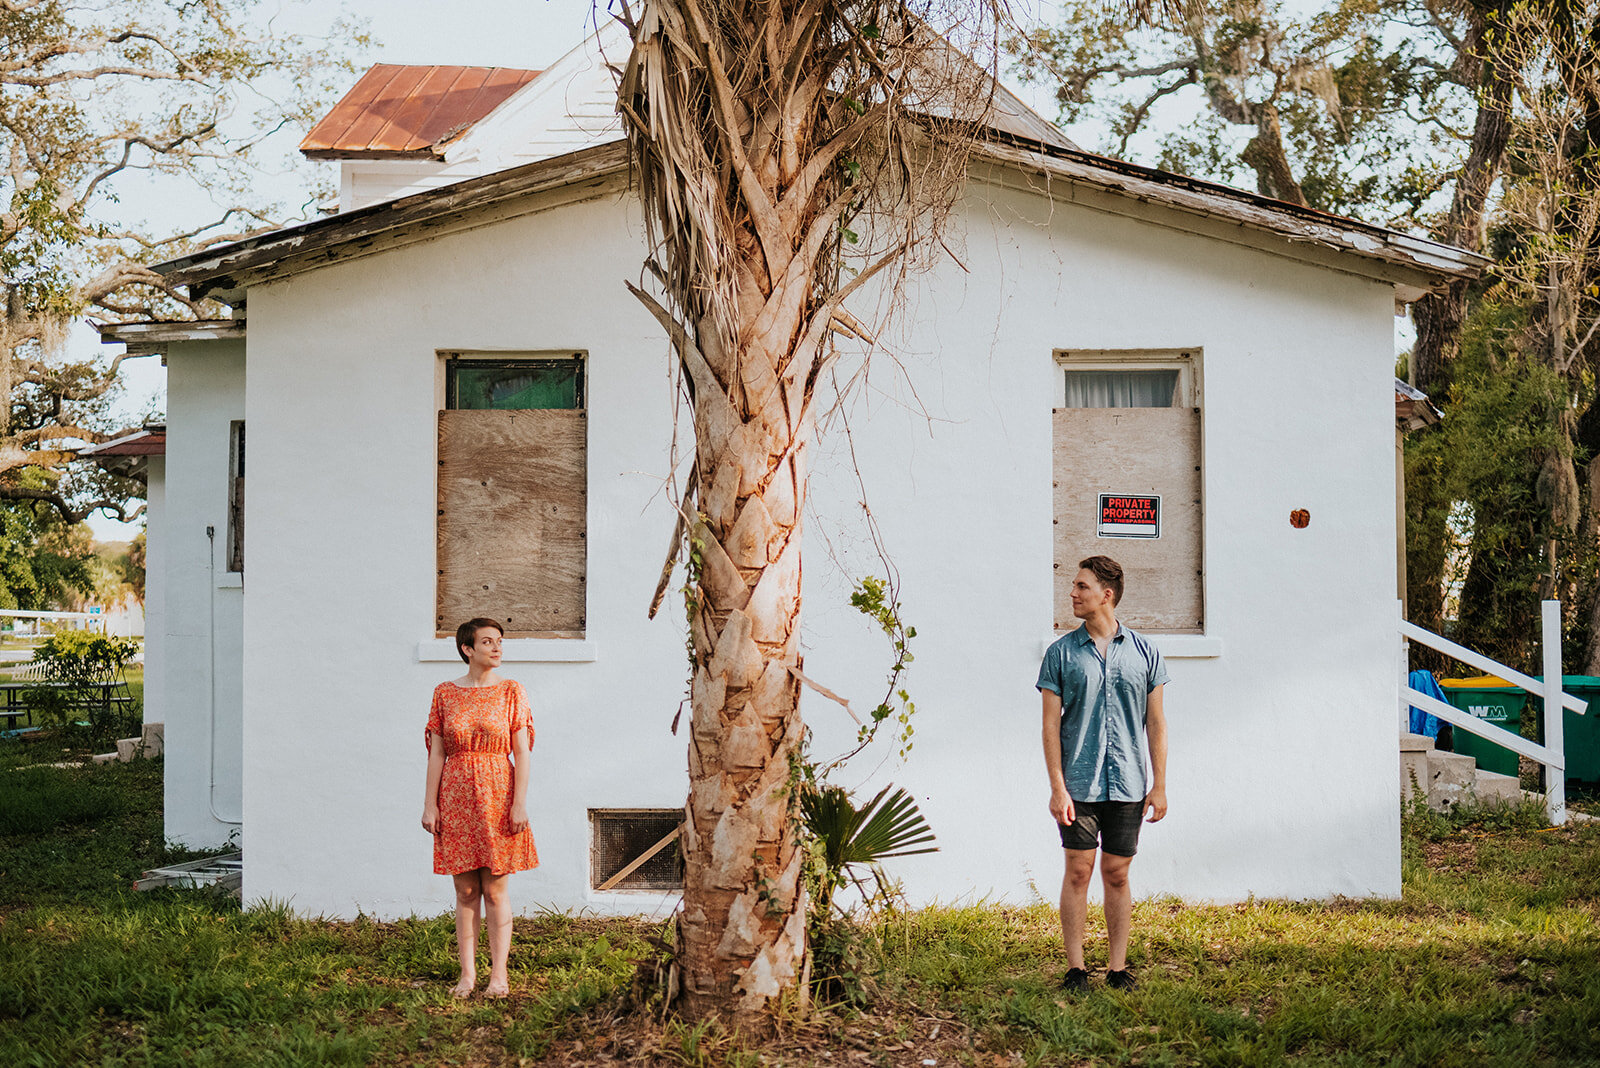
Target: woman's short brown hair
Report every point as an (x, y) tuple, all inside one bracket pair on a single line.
[(1108, 572), (467, 634)]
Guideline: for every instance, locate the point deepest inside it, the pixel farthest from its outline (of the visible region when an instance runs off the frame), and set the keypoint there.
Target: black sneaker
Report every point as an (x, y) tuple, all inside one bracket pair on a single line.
[(1075, 981), (1122, 980)]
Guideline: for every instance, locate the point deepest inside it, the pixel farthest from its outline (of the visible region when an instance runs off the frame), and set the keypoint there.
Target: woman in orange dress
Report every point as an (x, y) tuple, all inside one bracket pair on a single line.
[(479, 732)]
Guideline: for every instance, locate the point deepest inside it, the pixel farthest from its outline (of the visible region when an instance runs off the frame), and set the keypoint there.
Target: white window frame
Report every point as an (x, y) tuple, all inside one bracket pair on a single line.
[(1186, 362)]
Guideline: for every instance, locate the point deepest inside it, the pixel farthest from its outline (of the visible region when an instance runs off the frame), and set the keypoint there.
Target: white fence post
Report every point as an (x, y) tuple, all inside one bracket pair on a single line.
[(1555, 778), (1405, 673)]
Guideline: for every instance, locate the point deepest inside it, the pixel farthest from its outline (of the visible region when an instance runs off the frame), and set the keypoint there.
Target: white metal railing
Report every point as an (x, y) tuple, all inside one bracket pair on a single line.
[(1552, 754), (86, 619)]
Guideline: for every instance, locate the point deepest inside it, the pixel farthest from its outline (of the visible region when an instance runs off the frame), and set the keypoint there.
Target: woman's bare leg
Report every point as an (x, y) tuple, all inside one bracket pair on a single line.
[(497, 898), (469, 899)]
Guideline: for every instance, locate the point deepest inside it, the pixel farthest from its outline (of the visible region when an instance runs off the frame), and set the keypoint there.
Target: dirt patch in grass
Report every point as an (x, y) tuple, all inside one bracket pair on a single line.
[(1452, 855), (894, 1036)]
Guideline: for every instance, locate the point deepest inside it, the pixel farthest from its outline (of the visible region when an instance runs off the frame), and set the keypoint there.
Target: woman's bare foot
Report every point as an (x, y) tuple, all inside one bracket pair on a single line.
[(497, 988), (463, 987)]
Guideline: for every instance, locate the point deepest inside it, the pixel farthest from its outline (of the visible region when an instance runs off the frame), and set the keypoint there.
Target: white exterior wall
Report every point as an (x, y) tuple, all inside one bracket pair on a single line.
[(199, 645), (1283, 769), (155, 590)]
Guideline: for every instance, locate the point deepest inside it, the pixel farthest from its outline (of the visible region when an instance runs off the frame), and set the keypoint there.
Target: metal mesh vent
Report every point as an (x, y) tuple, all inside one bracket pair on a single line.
[(619, 836)]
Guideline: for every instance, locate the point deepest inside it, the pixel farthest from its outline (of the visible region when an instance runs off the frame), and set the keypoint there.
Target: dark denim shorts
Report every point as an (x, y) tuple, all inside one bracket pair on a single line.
[(1112, 825)]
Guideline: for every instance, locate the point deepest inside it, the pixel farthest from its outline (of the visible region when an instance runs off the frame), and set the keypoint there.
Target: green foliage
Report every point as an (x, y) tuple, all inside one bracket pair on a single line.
[(76, 657), (842, 838), (1367, 116), (77, 664), (842, 843), (874, 598), (44, 563), (1486, 457)]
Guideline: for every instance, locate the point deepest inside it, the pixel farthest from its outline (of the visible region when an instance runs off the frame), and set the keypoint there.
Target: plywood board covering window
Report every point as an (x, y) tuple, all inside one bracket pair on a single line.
[(512, 535), (1151, 447)]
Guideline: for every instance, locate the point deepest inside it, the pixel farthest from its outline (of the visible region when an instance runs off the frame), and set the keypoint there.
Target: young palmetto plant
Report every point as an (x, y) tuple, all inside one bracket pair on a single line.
[(849, 838)]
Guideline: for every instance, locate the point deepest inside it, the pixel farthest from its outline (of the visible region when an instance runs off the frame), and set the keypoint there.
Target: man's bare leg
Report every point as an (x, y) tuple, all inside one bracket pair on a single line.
[(1119, 908), (497, 897), (469, 896), (1075, 902)]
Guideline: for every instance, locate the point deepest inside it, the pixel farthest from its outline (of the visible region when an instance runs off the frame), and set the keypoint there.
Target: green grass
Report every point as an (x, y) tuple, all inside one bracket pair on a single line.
[(1491, 957)]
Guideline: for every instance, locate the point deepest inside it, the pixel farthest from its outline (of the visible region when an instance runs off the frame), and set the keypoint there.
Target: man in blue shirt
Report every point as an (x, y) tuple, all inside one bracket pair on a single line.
[(1102, 691)]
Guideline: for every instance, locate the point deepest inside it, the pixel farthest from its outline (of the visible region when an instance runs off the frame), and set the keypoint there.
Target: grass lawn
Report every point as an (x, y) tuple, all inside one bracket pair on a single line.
[(1491, 957)]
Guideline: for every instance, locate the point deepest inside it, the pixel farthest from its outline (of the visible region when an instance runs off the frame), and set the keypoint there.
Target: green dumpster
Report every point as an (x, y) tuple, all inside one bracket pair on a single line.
[(1581, 734), (1493, 700)]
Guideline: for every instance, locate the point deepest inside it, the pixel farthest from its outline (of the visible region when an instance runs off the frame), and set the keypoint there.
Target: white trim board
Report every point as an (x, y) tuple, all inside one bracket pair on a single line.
[(515, 650)]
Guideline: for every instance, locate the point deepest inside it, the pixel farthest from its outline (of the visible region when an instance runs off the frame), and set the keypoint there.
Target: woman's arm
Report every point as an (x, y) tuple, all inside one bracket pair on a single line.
[(519, 784), (430, 793)]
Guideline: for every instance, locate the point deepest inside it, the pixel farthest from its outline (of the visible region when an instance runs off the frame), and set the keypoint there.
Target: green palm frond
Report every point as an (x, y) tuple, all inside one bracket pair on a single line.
[(890, 825)]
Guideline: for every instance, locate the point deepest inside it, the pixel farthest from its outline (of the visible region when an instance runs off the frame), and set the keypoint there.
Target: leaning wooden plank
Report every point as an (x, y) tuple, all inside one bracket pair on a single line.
[(633, 866)]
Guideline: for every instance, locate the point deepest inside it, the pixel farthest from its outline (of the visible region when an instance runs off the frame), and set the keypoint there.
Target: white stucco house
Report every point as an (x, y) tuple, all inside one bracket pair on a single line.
[(1102, 335)]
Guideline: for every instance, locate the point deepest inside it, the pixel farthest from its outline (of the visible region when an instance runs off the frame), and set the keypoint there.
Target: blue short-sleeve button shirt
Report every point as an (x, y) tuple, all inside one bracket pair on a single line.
[(1103, 748)]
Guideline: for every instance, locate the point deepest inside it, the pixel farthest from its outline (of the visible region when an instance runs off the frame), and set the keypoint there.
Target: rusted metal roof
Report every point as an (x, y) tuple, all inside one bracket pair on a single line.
[(399, 111), (150, 441)]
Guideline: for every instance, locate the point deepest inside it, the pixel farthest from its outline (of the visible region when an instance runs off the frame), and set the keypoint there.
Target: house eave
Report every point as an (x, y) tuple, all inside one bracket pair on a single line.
[(227, 271), (1414, 265), (152, 337), (427, 152)]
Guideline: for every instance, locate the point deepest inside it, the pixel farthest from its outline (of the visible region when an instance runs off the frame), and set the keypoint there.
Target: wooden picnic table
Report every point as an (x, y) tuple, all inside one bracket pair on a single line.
[(16, 705)]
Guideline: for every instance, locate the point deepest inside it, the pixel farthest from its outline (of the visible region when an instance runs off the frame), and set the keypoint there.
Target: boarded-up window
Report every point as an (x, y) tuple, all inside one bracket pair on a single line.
[(513, 489), (236, 496), (1127, 474)]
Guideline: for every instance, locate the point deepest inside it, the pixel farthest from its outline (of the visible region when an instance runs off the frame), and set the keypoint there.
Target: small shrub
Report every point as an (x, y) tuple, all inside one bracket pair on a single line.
[(78, 664)]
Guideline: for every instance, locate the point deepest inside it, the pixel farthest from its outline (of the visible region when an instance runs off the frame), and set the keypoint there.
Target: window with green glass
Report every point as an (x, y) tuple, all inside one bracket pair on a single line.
[(513, 385)]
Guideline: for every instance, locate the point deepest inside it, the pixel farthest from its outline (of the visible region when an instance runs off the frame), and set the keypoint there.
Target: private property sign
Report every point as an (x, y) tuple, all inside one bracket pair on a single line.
[(1129, 516)]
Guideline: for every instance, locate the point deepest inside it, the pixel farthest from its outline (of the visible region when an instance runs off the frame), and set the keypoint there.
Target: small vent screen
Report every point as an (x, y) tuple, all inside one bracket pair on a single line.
[(622, 835)]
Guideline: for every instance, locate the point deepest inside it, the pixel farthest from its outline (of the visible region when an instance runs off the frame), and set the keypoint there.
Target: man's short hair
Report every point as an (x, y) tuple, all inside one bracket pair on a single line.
[(467, 634), (1108, 572)]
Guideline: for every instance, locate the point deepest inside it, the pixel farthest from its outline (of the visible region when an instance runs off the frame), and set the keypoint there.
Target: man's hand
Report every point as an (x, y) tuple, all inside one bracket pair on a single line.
[(430, 819), (519, 819), (1061, 806), (1155, 804)]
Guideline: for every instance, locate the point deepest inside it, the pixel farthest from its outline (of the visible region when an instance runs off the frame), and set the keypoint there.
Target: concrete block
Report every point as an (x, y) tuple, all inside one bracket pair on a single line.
[(1451, 769), (129, 749), (1413, 773), (1414, 742), (154, 738), (1492, 786), (103, 758), (1452, 778)]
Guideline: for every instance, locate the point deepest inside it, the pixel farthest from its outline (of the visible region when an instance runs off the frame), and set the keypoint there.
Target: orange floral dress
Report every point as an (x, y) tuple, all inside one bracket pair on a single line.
[(476, 723)]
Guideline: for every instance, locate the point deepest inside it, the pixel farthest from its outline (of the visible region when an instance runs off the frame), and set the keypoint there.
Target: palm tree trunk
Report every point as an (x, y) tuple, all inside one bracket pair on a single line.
[(742, 929)]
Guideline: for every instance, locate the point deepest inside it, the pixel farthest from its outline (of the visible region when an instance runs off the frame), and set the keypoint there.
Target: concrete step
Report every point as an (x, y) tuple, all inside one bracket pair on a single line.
[(1492, 786), (1452, 779), (1414, 750)]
